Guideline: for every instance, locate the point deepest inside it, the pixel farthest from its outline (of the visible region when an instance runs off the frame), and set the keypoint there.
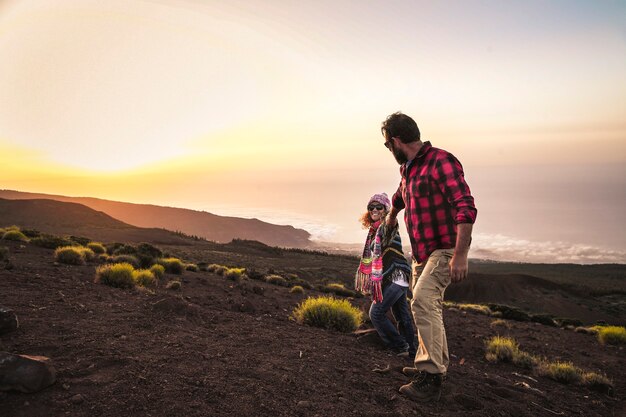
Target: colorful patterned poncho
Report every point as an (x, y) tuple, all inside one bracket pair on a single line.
[(382, 255)]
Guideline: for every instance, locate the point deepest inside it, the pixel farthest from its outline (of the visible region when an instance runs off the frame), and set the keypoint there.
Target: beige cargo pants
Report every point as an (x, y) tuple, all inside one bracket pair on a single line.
[(428, 282)]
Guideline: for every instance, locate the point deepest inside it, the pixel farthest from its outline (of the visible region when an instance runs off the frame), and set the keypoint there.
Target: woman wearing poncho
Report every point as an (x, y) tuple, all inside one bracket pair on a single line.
[(384, 275)]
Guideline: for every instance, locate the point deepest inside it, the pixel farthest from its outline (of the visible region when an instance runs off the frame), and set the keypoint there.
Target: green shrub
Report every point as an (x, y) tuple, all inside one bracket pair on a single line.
[(116, 275), (15, 235), (564, 372), (276, 280), (329, 313), (508, 312), (4, 253), (51, 241), (172, 265), (296, 289), (97, 248), (144, 278), (71, 255), (125, 250), (613, 335), (87, 253), (129, 259), (234, 273), (158, 271), (525, 359), (149, 250), (112, 247), (173, 285), (31, 233), (598, 382), (544, 319), (338, 289), (191, 267)]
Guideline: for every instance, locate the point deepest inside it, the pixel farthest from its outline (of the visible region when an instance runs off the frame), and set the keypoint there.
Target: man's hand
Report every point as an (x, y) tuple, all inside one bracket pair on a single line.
[(392, 217), (458, 267)]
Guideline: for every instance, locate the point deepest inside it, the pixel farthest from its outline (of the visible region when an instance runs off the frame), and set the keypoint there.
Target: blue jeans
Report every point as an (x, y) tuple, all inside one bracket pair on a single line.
[(394, 298)]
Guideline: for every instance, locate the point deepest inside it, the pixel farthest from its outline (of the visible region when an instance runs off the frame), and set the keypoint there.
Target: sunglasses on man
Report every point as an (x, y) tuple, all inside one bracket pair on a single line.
[(378, 207)]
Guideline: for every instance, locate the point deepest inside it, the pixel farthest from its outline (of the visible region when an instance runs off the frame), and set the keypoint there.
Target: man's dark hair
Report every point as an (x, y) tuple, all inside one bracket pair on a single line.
[(402, 126)]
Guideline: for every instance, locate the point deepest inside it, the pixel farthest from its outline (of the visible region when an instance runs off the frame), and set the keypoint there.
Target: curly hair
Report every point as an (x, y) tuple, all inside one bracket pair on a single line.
[(366, 220)]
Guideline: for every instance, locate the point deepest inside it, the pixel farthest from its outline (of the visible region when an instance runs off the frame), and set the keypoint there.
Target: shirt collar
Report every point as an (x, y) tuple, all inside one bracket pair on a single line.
[(425, 148)]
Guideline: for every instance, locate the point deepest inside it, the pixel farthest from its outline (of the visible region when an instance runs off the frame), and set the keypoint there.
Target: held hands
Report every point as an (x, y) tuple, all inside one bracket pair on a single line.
[(458, 267)]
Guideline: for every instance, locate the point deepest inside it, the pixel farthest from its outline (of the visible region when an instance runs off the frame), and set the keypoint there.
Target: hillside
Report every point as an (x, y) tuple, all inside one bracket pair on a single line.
[(61, 218), (192, 222), (224, 348)]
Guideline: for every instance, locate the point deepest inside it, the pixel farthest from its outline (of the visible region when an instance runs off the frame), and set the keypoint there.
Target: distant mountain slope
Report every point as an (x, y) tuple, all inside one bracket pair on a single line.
[(199, 223), (63, 218)]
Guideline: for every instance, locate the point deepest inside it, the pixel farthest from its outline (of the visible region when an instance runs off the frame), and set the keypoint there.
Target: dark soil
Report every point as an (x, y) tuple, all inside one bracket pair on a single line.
[(224, 348)]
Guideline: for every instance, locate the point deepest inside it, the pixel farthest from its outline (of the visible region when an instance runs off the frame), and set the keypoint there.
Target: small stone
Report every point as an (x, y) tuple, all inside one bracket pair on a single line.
[(304, 404), (66, 387), (77, 399), (25, 373), (8, 320)]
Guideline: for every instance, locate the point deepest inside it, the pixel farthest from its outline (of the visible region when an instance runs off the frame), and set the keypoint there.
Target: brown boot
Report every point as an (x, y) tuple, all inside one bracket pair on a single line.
[(424, 388)]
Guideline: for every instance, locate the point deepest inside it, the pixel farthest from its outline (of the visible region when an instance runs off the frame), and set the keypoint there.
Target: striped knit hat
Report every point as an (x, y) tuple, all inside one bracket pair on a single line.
[(382, 199)]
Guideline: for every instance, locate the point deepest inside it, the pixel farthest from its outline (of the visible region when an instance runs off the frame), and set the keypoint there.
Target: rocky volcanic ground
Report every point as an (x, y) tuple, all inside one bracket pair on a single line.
[(224, 348)]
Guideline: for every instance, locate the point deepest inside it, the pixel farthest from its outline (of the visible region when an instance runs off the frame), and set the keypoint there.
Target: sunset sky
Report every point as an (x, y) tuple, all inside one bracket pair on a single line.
[(272, 109)]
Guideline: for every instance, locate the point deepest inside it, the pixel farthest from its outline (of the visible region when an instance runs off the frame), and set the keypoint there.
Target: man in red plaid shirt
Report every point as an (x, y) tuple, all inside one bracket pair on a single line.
[(439, 215)]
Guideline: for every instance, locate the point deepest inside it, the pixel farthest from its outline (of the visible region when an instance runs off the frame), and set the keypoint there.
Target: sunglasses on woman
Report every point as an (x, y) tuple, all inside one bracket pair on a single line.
[(378, 207)]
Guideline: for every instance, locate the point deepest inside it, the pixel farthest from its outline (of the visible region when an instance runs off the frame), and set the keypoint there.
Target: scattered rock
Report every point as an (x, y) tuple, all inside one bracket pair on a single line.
[(304, 404), (258, 290), (25, 373), (8, 320), (176, 306), (77, 399)]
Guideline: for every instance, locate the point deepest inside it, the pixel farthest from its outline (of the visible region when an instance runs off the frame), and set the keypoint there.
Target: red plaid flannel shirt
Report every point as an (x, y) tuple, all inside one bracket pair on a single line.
[(436, 198)]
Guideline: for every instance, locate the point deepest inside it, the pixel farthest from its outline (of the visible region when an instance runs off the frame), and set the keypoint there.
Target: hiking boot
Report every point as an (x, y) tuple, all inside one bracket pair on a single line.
[(424, 388), (411, 372), (401, 352)]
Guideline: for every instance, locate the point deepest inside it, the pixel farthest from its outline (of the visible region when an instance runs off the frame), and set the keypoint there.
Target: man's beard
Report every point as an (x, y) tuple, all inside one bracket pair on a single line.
[(399, 155)]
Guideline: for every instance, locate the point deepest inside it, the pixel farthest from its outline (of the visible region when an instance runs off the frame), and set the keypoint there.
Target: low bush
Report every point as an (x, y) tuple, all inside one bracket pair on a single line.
[(234, 274), (544, 319), (125, 250), (116, 275), (70, 255), (296, 289), (173, 285), (613, 335), (97, 248), (15, 235), (301, 283), (598, 382), (329, 313), (129, 259), (31, 233), (104, 258), (112, 247), (500, 323), (79, 240), (276, 280), (172, 265), (561, 371), (88, 254), (158, 271), (508, 312), (144, 277), (254, 274), (337, 289), (149, 250), (474, 308), (525, 360), (192, 267), (501, 349), (51, 241)]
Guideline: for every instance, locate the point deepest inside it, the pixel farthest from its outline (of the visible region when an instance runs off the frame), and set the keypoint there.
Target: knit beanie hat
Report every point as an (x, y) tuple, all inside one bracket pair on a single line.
[(382, 199)]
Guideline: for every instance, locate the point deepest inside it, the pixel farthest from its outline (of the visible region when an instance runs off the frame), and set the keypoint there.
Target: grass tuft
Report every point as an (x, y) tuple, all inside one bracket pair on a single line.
[(613, 335), (129, 259), (338, 289), (501, 349), (70, 255), (144, 278), (329, 313), (15, 235), (97, 248), (564, 372), (116, 275), (234, 274), (192, 267), (276, 280), (158, 271), (173, 285), (296, 289), (172, 265)]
